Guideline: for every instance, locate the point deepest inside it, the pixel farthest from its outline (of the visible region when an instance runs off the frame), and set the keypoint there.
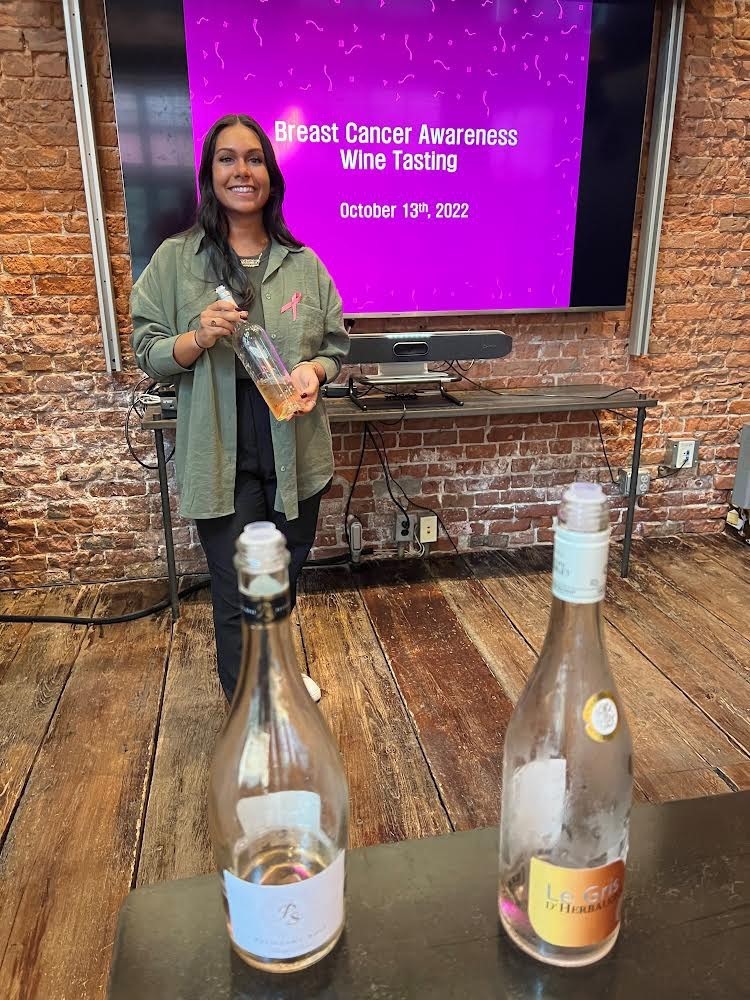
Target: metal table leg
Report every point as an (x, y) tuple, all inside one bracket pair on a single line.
[(639, 421), (167, 522)]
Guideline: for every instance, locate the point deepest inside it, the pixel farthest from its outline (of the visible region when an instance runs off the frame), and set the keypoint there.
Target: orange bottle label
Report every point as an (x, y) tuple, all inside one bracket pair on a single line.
[(575, 907)]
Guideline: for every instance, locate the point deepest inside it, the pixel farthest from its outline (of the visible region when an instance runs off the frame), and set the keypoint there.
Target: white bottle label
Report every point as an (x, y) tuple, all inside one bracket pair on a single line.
[(538, 800), (579, 568), (300, 810), (286, 921)]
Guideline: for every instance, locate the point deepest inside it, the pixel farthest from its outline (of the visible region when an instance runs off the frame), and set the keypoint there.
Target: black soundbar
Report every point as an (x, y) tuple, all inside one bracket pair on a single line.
[(435, 345)]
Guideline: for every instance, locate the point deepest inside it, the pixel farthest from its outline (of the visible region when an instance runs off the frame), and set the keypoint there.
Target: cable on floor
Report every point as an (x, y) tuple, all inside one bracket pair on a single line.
[(110, 620)]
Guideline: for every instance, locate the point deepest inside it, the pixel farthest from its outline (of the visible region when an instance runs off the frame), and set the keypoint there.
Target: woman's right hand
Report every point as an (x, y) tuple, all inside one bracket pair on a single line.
[(217, 320)]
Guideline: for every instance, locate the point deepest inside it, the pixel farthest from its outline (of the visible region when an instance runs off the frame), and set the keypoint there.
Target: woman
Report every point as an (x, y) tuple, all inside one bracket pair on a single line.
[(235, 463)]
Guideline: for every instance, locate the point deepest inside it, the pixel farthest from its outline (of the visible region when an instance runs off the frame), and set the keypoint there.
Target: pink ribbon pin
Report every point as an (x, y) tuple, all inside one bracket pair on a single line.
[(292, 304)]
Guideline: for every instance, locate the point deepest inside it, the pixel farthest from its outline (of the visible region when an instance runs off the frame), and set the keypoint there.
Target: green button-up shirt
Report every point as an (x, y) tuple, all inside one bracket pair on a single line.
[(167, 300)]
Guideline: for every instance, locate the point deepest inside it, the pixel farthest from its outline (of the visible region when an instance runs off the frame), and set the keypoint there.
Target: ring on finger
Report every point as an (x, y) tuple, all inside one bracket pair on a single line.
[(213, 322)]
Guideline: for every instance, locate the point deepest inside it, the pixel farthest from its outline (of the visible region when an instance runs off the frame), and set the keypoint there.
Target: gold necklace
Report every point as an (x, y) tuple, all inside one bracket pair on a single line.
[(254, 261)]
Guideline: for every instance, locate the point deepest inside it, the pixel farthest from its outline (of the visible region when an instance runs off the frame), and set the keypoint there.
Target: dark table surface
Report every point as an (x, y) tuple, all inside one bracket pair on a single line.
[(422, 922)]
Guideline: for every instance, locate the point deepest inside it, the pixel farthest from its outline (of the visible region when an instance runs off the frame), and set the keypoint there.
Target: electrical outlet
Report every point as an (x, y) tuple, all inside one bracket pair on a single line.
[(427, 528), (642, 485), (405, 527), (682, 453)]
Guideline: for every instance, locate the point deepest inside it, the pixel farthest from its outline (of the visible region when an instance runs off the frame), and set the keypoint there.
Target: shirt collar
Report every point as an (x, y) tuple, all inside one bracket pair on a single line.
[(195, 240), (193, 245)]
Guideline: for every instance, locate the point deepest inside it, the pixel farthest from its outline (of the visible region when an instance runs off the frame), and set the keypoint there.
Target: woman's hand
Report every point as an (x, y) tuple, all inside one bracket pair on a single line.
[(217, 320), (306, 379)]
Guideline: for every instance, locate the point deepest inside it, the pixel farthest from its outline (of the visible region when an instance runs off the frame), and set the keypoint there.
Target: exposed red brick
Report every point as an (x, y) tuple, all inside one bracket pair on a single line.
[(51, 65), (11, 39), (45, 39), (16, 64)]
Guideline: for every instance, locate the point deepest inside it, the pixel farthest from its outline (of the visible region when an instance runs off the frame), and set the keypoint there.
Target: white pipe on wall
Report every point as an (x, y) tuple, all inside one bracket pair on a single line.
[(92, 185), (660, 145)]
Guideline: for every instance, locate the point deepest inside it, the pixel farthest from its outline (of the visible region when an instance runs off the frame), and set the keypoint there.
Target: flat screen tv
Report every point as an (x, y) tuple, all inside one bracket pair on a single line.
[(441, 156)]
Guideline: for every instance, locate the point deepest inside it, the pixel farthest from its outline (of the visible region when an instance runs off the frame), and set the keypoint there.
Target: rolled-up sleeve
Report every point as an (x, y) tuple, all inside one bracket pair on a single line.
[(335, 344), (154, 332)]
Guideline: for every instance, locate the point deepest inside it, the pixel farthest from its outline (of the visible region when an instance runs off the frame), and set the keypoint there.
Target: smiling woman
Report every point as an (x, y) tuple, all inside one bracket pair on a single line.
[(235, 464), (240, 171)]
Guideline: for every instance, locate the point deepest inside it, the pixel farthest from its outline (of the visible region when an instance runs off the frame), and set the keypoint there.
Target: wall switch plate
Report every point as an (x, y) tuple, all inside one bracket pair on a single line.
[(682, 453), (642, 485), (427, 528)]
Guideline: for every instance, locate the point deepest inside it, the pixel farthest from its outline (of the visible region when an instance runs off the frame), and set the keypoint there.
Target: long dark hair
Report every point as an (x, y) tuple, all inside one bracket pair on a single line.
[(212, 218)]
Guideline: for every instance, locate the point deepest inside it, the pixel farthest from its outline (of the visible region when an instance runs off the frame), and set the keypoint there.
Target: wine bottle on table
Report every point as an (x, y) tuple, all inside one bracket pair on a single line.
[(568, 771), (278, 798)]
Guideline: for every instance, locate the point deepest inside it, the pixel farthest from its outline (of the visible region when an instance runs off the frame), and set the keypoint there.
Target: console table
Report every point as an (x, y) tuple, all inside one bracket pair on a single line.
[(422, 923), (501, 403)]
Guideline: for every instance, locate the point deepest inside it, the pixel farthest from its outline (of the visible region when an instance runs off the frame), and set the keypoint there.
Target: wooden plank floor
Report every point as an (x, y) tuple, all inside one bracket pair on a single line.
[(106, 733)]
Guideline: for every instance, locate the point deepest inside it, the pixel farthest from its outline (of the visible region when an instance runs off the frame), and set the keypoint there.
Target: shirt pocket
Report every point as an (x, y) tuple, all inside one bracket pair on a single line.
[(306, 332)]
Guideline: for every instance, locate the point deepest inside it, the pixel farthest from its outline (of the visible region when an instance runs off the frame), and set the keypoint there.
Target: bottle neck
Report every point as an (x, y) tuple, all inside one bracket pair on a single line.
[(573, 620), (268, 657), (579, 565), (579, 577)]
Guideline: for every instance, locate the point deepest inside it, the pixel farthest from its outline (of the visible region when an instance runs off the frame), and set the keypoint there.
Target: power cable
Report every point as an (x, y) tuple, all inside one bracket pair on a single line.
[(354, 484), (410, 502), (110, 620), (604, 449), (386, 470), (670, 472), (154, 608), (136, 405)]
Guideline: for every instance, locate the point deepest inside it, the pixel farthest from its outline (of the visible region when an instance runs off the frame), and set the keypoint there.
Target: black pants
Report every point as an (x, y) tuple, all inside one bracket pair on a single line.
[(254, 495)]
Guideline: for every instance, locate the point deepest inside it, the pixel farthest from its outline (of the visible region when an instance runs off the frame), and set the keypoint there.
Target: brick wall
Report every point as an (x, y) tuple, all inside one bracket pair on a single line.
[(74, 505)]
